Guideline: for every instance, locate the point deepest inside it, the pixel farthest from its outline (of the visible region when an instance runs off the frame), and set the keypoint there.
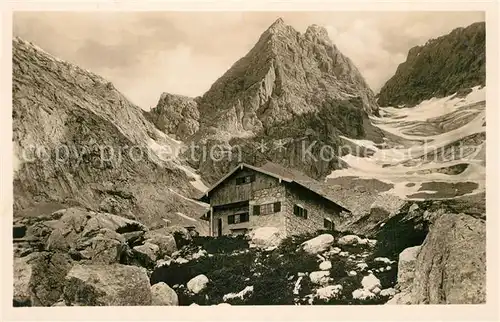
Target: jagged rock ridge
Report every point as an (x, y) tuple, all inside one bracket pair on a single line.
[(443, 66), (78, 141)]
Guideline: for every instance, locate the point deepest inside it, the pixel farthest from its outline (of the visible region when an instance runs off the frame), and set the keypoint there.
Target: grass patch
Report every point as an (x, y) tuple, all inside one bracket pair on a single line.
[(232, 266), (223, 244)]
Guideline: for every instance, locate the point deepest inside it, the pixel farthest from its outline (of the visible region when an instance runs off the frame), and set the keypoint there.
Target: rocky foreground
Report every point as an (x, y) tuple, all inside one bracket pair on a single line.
[(76, 257)]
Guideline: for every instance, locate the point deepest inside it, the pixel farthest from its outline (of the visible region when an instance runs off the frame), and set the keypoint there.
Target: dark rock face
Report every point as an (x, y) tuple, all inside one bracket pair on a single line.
[(449, 64), (78, 141), (175, 115)]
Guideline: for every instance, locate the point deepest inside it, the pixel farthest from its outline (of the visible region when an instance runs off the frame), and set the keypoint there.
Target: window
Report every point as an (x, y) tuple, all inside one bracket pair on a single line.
[(300, 211), (244, 217), (266, 209), (245, 179), (238, 218), (328, 224)]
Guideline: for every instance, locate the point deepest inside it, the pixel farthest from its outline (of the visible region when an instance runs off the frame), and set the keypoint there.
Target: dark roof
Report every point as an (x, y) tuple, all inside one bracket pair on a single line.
[(283, 174)]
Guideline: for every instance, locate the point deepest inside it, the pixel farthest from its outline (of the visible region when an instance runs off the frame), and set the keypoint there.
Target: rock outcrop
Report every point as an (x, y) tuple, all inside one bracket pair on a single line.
[(175, 115), (450, 267), (450, 64)]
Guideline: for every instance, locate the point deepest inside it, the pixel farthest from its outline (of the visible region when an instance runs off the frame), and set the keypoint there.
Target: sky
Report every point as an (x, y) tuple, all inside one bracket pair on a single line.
[(147, 53)]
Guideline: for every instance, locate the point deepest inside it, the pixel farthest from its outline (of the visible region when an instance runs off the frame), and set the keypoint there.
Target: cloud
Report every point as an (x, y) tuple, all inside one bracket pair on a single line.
[(147, 53)]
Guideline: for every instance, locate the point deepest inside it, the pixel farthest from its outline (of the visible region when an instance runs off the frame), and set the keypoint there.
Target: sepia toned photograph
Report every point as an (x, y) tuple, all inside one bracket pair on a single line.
[(165, 158)]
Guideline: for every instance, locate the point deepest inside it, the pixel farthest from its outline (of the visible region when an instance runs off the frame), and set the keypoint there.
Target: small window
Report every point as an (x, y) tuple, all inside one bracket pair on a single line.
[(328, 224), (266, 209), (238, 218), (300, 211), (245, 179), (244, 217)]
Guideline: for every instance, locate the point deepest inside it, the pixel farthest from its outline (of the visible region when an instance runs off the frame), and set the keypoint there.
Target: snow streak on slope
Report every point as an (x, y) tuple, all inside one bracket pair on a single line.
[(166, 148), (447, 159)]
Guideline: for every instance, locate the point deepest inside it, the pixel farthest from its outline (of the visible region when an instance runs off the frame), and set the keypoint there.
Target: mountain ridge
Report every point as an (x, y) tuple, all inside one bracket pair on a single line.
[(79, 141), (449, 64)]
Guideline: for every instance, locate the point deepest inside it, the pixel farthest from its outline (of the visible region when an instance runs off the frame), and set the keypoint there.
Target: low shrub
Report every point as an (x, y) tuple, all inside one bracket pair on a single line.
[(273, 274), (222, 244)]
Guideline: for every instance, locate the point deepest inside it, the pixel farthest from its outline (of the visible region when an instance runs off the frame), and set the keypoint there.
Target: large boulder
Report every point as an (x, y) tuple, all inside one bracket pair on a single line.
[(406, 267), (265, 237), (318, 244), (22, 278), (39, 278), (134, 238), (105, 248), (91, 236), (163, 295), (165, 241), (370, 283), (112, 222), (451, 266), (362, 294), (146, 254), (181, 235), (107, 285), (350, 240), (197, 284)]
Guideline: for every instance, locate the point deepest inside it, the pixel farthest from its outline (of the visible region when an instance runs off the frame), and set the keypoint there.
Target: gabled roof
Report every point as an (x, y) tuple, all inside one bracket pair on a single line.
[(283, 174)]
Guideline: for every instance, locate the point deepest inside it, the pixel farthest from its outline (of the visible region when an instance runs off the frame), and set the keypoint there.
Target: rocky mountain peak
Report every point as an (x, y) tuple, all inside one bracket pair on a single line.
[(288, 85), (175, 115), (284, 75), (279, 24), (318, 34)]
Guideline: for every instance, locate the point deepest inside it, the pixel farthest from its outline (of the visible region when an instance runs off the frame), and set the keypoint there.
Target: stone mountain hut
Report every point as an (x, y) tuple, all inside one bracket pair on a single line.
[(249, 197)]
